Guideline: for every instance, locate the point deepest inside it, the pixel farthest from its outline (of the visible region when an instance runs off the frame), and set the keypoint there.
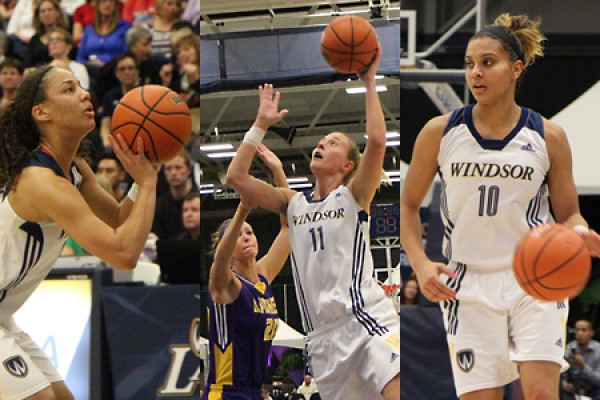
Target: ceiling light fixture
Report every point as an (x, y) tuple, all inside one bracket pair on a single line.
[(216, 147), (224, 154), (357, 90)]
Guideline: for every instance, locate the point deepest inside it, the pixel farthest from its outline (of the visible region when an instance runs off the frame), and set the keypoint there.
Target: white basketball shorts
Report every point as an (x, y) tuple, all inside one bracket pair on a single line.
[(25, 368), (354, 358), (493, 324)]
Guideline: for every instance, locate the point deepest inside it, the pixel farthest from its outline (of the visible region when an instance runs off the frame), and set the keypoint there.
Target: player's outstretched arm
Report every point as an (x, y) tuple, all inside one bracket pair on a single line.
[(254, 190), (369, 172), (272, 262), (65, 205), (419, 177), (223, 285)]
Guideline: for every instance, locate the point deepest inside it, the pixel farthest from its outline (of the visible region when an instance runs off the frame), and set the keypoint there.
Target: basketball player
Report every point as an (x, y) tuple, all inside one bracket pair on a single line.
[(49, 191), (500, 164), (243, 314), (352, 327)]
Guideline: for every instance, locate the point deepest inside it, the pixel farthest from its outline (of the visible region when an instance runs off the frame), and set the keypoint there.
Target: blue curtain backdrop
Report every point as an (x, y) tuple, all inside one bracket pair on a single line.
[(284, 57)]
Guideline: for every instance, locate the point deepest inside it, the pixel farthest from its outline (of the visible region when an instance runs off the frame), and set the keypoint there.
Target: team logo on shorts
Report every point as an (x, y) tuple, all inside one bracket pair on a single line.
[(465, 359), (16, 366)]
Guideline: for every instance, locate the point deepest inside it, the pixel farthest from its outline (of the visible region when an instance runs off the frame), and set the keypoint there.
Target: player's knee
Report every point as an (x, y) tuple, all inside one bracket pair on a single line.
[(539, 391)]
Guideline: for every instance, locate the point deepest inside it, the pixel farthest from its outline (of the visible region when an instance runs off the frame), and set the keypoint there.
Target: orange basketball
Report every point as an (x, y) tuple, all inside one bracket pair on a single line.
[(349, 44), (552, 262), (156, 114)]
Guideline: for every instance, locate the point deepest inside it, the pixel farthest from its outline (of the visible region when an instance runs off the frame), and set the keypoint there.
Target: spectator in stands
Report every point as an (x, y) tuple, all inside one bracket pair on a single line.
[(84, 15), (190, 211), (168, 12), (139, 42), (20, 30), (138, 11), (240, 299), (184, 76), (409, 293), (186, 71), (3, 44), (60, 45), (47, 15), (105, 38), (110, 168), (307, 387), (127, 73), (167, 217), (6, 10), (192, 11), (11, 75), (583, 353)]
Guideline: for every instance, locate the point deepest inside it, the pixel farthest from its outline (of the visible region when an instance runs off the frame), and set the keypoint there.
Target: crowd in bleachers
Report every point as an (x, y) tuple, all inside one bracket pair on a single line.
[(111, 46)]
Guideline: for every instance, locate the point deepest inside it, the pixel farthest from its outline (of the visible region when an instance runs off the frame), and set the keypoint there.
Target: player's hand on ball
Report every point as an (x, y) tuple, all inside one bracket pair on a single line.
[(431, 286), (137, 165), (368, 74), (592, 241)]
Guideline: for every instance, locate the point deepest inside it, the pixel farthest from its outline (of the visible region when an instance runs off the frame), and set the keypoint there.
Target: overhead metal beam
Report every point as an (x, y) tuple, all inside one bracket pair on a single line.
[(438, 75)]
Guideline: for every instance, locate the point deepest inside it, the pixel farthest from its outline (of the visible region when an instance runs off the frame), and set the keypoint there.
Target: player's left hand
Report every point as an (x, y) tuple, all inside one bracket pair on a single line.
[(368, 74), (592, 241), (268, 157)]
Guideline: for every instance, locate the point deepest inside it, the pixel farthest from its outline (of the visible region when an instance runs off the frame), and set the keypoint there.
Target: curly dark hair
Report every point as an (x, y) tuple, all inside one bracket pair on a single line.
[(19, 132)]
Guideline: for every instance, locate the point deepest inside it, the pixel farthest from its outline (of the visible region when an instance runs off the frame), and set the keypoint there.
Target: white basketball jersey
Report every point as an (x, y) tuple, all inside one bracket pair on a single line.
[(331, 259), (493, 191), (28, 250)]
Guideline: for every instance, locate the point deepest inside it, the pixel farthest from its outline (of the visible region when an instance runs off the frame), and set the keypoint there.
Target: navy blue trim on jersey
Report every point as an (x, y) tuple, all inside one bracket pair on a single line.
[(535, 122), (306, 321), (456, 118), (34, 245), (448, 224), (310, 200), (358, 302), (495, 144), (42, 159), (533, 209)]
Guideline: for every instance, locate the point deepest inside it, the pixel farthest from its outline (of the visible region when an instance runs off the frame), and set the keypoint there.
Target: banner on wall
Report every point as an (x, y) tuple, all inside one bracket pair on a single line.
[(155, 341), (57, 317)]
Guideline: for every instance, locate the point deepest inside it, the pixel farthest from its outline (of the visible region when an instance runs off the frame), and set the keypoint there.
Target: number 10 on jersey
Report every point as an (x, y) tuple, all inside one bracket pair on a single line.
[(488, 200)]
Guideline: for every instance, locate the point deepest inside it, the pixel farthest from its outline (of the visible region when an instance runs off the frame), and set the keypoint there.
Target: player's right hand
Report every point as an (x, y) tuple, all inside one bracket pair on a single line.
[(428, 275), (136, 164), (268, 110)]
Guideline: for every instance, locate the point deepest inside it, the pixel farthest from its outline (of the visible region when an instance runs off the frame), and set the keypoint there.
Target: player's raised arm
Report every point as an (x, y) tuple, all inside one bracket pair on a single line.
[(254, 190)]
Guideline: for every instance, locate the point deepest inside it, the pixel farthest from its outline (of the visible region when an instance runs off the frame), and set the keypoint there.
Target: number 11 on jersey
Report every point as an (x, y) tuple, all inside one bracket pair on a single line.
[(317, 238)]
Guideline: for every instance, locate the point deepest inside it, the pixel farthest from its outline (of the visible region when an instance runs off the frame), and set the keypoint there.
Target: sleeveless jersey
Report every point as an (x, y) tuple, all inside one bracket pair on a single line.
[(331, 260), (28, 250), (240, 336), (493, 191)]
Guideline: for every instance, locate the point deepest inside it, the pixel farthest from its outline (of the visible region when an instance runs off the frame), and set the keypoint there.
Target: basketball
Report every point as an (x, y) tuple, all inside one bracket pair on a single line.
[(156, 114), (349, 44), (552, 262)]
